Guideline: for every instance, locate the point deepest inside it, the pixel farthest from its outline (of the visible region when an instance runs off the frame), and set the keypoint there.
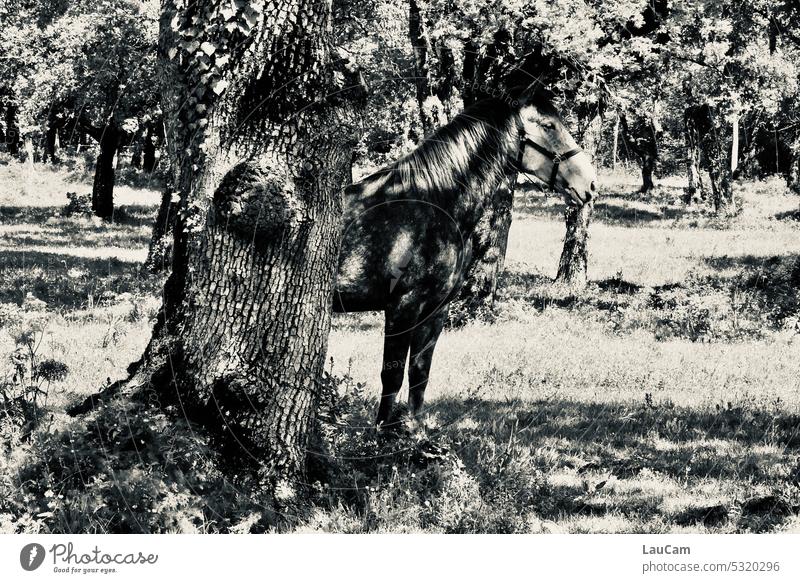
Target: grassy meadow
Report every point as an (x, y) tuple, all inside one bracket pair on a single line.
[(665, 397)]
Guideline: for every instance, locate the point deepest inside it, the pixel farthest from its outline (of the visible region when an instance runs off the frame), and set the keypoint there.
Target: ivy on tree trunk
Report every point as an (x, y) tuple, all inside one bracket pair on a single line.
[(259, 154)]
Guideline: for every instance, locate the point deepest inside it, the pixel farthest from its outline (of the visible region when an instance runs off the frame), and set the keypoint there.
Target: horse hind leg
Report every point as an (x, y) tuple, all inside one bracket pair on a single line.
[(423, 342), (397, 339)]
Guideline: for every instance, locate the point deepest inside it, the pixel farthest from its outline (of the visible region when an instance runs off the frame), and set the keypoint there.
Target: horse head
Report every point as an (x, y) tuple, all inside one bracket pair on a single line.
[(550, 153)]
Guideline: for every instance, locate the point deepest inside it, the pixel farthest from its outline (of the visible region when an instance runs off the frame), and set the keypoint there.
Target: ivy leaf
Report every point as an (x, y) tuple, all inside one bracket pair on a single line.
[(219, 86), (208, 48)]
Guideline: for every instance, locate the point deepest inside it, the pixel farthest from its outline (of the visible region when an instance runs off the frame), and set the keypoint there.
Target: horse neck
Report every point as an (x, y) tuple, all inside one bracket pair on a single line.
[(491, 173)]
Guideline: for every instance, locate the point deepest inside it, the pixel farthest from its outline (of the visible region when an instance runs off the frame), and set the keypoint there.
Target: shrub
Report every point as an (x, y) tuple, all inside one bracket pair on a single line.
[(78, 205)]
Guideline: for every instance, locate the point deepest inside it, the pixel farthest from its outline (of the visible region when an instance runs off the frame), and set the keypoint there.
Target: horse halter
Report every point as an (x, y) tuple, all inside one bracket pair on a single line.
[(552, 156)]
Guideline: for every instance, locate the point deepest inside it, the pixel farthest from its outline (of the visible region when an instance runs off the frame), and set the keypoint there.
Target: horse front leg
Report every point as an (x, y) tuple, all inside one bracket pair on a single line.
[(397, 338), (423, 342)]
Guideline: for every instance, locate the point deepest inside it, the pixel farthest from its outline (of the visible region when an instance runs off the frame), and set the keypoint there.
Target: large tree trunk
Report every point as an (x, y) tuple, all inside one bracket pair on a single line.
[(105, 174), (572, 266), (259, 158)]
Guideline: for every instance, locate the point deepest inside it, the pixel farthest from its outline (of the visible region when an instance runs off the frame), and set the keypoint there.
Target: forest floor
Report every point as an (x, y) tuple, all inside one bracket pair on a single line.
[(665, 397)]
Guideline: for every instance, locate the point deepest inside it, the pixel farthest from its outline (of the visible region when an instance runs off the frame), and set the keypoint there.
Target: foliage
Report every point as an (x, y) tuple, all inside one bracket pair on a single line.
[(92, 62)]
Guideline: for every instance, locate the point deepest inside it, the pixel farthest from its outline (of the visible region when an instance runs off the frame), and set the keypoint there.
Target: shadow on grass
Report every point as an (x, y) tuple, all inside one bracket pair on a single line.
[(134, 215), (610, 209), (756, 293), (745, 445), (788, 215), (68, 282)]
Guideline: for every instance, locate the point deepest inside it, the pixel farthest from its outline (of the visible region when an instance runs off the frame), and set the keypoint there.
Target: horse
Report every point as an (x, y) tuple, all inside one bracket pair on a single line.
[(407, 228)]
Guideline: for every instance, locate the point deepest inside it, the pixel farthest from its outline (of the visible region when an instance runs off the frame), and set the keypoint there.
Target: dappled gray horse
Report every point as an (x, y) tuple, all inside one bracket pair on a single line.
[(407, 240)]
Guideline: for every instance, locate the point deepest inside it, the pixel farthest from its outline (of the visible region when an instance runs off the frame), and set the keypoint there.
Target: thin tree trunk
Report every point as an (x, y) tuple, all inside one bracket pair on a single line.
[(51, 145), (105, 175), (793, 173), (242, 334), (735, 145), (616, 144), (641, 136), (695, 190), (29, 152), (573, 264), (12, 130), (648, 166), (149, 151), (717, 145)]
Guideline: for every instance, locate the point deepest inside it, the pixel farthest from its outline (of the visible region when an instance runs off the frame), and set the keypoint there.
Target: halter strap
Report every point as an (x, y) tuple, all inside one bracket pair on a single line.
[(554, 157)]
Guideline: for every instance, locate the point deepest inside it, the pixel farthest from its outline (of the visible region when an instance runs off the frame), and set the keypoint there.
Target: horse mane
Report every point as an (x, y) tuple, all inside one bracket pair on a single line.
[(469, 152)]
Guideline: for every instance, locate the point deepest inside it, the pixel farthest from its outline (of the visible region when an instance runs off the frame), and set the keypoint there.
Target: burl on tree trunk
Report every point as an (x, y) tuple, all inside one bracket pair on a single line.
[(259, 154), (572, 266)]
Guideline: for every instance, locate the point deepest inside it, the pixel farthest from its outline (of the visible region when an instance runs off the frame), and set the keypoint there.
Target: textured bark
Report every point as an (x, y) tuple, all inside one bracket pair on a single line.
[(105, 174), (572, 266), (258, 165)]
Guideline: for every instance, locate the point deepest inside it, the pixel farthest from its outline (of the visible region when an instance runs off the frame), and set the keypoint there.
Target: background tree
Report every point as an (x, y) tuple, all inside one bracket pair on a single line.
[(88, 67)]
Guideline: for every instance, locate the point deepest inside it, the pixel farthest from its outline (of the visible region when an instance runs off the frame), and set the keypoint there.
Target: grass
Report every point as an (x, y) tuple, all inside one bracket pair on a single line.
[(663, 398)]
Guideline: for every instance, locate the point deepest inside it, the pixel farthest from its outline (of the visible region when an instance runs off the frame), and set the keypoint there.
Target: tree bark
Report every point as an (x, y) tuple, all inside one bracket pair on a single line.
[(641, 135), (695, 190), (149, 150), (572, 266), (259, 155), (716, 137), (12, 130), (51, 144), (105, 174)]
